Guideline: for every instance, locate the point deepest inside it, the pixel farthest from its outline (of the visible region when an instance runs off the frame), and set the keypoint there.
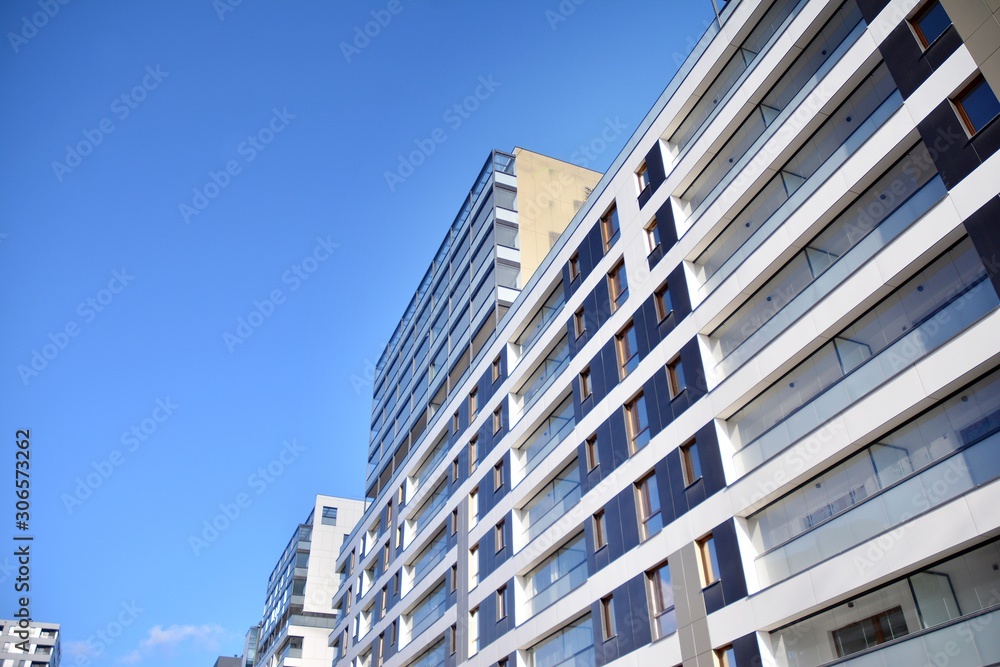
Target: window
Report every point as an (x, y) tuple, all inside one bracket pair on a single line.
[(642, 177), (708, 560), (473, 404), (498, 536), (452, 644), (453, 578), (395, 585), (388, 513), (473, 454), (473, 508), (628, 350), (381, 648), (650, 517), (652, 236), (496, 369), (609, 227), (473, 631), (661, 601), (690, 462), (454, 470), (725, 656), (473, 566), (498, 475), (392, 632), (618, 286), (329, 517), (383, 600), (497, 419), (579, 324), (502, 602), (661, 298), (574, 267), (399, 535), (930, 23), (872, 631), (608, 617), (637, 423), (675, 377), (453, 521), (585, 388), (590, 447), (385, 555), (977, 105), (454, 423), (600, 531)]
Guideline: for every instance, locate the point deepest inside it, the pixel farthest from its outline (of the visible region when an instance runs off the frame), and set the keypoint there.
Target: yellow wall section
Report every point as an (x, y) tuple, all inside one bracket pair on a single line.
[(549, 193)]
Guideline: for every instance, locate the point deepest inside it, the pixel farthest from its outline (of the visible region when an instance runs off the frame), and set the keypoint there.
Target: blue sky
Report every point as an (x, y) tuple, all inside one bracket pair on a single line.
[(172, 169)]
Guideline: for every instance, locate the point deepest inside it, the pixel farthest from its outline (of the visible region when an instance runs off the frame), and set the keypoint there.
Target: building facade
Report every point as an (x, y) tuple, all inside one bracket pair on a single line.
[(746, 409), (298, 613), (42, 644)]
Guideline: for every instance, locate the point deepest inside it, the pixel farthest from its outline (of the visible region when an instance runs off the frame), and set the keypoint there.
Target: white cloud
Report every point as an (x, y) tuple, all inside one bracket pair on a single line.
[(161, 638), (77, 649)]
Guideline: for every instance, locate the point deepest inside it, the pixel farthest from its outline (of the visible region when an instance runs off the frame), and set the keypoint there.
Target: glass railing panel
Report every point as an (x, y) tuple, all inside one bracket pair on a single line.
[(557, 576), (552, 502), (430, 508), (868, 225), (548, 312), (431, 556), (573, 646), (846, 130), (550, 433), (430, 609), (554, 363), (931, 308)]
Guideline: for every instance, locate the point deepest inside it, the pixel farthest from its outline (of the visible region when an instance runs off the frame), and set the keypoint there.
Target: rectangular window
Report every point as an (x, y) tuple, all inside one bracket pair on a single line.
[(453, 578), (608, 617), (725, 656), (628, 351), (454, 423), (650, 516), (585, 388), (452, 644), (574, 267), (454, 470), (392, 632), (690, 462), (872, 631), (496, 369), (930, 23), (708, 560), (498, 536), (473, 404), (329, 517), (609, 227), (382, 601), (661, 602), (661, 299), (618, 286), (590, 446), (473, 508), (498, 476), (473, 454), (473, 566), (600, 531), (642, 177), (579, 324), (652, 236), (502, 602), (395, 584), (637, 423), (675, 377), (497, 419), (453, 522), (474, 631), (977, 105)]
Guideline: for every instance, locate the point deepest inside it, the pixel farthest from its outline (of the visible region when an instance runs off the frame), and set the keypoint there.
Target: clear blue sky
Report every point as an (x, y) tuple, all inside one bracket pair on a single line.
[(113, 115)]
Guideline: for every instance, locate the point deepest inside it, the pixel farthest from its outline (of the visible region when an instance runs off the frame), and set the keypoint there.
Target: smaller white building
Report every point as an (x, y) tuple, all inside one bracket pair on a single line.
[(298, 612), (41, 642)]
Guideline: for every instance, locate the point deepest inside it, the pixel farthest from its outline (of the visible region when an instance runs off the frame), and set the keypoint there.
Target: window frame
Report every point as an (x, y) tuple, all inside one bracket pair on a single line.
[(623, 347), (579, 322), (498, 475), (644, 505), (691, 462), (708, 560), (676, 380), (574, 266), (632, 425), (584, 382), (957, 103), (642, 176), (498, 419), (918, 31), (618, 285), (499, 539), (600, 530), (652, 235), (502, 602), (496, 369), (663, 302), (609, 628), (591, 453), (610, 226), (657, 605)]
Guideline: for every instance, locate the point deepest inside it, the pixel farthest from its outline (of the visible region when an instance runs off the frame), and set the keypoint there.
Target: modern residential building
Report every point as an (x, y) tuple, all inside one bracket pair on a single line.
[(298, 614), (41, 642), (746, 409)]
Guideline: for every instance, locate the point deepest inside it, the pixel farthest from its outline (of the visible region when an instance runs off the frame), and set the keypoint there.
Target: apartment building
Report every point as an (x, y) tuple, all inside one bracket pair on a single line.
[(40, 648), (298, 614), (746, 409)]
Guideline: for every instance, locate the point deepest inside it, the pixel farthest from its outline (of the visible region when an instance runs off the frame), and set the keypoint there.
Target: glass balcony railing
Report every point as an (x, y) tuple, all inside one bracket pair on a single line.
[(554, 363), (925, 313), (430, 609), (549, 433), (428, 511), (841, 135), (556, 577), (549, 311), (430, 556), (876, 218), (552, 502)]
